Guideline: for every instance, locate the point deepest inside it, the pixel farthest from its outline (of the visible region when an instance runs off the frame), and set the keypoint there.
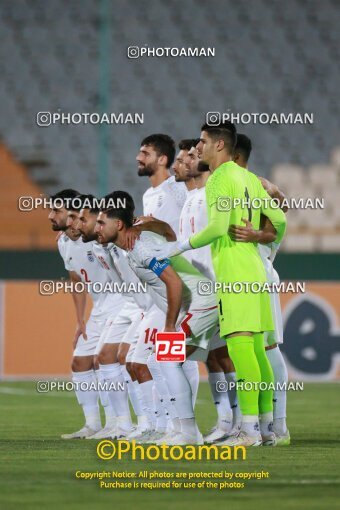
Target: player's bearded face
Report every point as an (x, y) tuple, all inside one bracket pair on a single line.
[(192, 162), (86, 226), (147, 169), (181, 170), (72, 221), (147, 162), (58, 219), (106, 229)]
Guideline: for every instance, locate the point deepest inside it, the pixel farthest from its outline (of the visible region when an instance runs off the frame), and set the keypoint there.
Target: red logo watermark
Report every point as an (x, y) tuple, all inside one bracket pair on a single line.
[(170, 346)]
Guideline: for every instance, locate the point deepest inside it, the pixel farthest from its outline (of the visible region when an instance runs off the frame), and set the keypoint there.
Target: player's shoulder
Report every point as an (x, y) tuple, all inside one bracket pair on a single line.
[(148, 238), (63, 243), (98, 248), (148, 192), (145, 245), (115, 251), (62, 238), (190, 196), (172, 184), (177, 189), (218, 181), (253, 177)]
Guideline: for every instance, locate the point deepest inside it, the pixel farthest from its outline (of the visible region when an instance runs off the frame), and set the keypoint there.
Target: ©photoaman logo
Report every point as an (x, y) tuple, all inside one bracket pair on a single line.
[(170, 346)]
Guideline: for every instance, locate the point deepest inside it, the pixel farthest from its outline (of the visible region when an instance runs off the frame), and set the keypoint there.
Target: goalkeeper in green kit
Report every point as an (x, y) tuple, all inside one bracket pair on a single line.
[(233, 193)]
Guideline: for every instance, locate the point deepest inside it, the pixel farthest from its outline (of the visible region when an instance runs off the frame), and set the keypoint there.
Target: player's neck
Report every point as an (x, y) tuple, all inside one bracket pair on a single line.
[(159, 177), (120, 241), (191, 184), (220, 158), (201, 179)]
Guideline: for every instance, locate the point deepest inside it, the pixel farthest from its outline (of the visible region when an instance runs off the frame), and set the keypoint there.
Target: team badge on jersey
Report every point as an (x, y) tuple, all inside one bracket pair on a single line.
[(160, 201), (103, 262), (90, 256)]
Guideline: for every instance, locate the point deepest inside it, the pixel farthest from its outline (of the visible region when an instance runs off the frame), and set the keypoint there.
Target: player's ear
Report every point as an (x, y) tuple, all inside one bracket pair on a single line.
[(163, 160), (120, 224), (220, 145)]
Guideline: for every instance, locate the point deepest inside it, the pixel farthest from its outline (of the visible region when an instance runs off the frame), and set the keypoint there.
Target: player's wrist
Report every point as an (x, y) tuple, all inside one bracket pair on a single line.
[(257, 236), (170, 326), (185, 245)]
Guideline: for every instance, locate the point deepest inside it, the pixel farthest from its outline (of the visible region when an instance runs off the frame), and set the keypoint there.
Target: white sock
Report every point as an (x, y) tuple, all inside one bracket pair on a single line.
[(110, 415), (175, 425), (88, 399), (159, 410), (250, 425), (188, 426), (118, 398), (190, 369), (279, 398), (143, 422), (266, 423), (133, 391), (221, 399), (230, 377), (160, 394), (280, 426), (146, 392), (179, 389)]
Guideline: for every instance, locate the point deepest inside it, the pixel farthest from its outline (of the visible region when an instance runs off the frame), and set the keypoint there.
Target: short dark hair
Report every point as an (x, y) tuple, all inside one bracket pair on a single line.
[(225, 131), (66, 196), (114, 196), (125, 214), (164, 146), (186, 144), (243, 145), (89, 202)]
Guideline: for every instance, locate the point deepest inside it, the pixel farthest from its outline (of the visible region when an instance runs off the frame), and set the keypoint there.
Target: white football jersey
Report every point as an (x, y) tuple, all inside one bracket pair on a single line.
[(114, 261), (197, 219), (104, 258), (143, 261), (80, 258), (268, 253), (165, 202), (185, 226)]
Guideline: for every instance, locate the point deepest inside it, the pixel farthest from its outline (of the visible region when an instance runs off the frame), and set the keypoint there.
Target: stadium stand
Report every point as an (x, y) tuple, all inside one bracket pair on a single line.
[(296, 74), (21, 230)]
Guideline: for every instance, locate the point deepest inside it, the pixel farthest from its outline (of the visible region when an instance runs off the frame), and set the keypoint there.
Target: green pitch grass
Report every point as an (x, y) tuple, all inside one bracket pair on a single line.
[(37, 468)]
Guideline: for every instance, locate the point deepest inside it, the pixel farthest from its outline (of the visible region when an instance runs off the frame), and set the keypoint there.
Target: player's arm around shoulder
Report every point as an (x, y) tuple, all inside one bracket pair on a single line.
[(79, 299), (272, 211), (149, 224), (174, 289), (274, 192)]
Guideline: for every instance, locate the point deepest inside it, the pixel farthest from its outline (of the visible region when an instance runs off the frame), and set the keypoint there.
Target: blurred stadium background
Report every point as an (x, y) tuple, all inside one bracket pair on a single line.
[(72, 56)]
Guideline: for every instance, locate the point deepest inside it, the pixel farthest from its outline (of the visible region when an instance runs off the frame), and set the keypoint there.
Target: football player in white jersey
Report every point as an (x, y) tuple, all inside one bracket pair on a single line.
[(112, 346), (183, 174), (154, 426), (124, 332), (267, 252), (83, 267), (177, 295), (164, 200)]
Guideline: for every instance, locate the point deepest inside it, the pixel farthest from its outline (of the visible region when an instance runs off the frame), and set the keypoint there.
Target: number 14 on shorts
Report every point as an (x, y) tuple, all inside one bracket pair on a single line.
[(170, 346)]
